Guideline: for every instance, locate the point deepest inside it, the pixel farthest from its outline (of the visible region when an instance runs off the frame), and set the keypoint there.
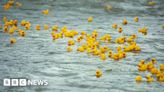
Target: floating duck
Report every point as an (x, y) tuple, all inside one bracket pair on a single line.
[(12, 40), (124, 22), (143, 30), (136, 19), (154, 61), (18, 4), (103, 57), (37, 27), (98, 73), (114, 26), (162, 25), (108, 7), (138, 78), (141, 62), (69, 49), (149, 78), (120, 29), (80, 49), (55, 28), (45, 12), (90, 19), (142, 68), (161, 67), (71, 42), (46, 27), (21, 33), (151, 3)]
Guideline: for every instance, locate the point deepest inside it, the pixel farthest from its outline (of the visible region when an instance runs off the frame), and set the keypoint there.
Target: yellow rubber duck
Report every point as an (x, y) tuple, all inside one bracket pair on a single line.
[(18, 4), (143, 30), (141, 62), (45, 12), (80, 49), (55, 28), (142, 68), (21, 33), (98, 73), (12, 40), (154, 70), (46, 27), (151, 3), (71, 42), (90, 19), (120, 29), (108, 7), (110, 54), (149, 78), (124, 22), (154, 60), (136, 19), (138, 78), (69, 49), (114, 26), (37, 27), (161, 67), (162, 25), (103, 57), (150, 66)]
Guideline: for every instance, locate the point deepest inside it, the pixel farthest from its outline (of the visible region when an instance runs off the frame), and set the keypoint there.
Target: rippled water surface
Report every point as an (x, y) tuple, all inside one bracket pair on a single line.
[(37, 57)]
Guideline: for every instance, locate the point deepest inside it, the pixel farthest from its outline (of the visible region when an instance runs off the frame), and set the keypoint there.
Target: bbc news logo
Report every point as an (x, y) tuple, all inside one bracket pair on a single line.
[(24, 82)]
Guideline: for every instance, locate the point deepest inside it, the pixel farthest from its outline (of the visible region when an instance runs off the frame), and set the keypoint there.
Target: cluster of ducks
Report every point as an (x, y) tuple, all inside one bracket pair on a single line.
[(10, 4), (151, 67), (11, 27), (90, 43)]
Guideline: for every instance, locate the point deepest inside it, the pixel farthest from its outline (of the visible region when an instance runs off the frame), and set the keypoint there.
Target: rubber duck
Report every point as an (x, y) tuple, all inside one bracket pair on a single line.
[(5, 19), (162, 25), (114, 26), (69, 49), (136, 19), (120, 29), (161, 67), (12, 30), (110, 54), (153, 60), (108, 7), (151, 3), (12, 40), (37, 27), (124, 22), (83, 33), (45, 12), (80, 49), (90, 19), (18, 4), (104, 49), (55, 28), (46, 27), (154, 70), (103, 57), (138, 78), (142, 68), (150, 66), (141, 62), (149, 78), (98, 73), (21, 33), (143, 30)]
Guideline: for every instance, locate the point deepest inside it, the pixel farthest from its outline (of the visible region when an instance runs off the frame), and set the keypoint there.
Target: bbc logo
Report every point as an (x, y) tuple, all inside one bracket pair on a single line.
[(14, 82)]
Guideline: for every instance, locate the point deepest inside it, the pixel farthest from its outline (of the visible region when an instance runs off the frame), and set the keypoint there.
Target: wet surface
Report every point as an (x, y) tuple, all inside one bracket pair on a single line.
[(37, 57)]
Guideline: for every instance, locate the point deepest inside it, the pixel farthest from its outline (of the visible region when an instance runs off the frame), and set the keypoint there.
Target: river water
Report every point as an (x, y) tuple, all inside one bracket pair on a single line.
[(37, 57)]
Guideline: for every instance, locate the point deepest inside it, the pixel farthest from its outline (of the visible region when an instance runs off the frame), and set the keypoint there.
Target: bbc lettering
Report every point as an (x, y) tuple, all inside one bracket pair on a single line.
[(23, 82)]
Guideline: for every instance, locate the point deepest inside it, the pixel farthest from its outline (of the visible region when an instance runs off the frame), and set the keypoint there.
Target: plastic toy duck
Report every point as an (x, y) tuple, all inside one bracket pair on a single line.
[(21, 33), (150, 66), (153, 60), (154, 70), (37, 27), (149, 78), (90, 19), (120, 40), (103, 57), (143, 30), (161, 67), (106, 38), (162, 25), (46, 27), (142, 68), (71, 42), (110, 54), (120, 29), (45, 12), (69, 49), (124, 22), (18, 4), (12, 30), (115, 56), (55, 28), (151, 3), (108, 7), (104, 49), (80, 49), (12, 40), (83, 33), (5, 19), (98, 73), (114, 26), (136, 19), (138, 78), (141, 62)]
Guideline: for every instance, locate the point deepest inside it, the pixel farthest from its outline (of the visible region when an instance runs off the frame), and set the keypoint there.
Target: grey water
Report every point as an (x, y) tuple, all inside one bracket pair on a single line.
[(36, 56)]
